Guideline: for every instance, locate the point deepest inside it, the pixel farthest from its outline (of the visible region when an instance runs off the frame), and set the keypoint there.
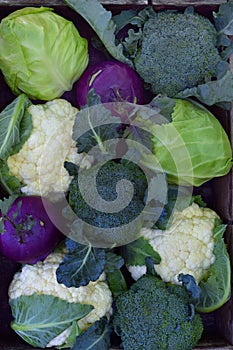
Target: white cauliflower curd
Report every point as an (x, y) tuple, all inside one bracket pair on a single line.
[(187, 246), (39, 164), (41, 279)]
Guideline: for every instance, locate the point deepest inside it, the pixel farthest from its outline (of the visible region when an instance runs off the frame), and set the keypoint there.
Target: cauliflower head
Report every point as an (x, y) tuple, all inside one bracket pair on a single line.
[(187, 246), (41, 278), (39, 163)]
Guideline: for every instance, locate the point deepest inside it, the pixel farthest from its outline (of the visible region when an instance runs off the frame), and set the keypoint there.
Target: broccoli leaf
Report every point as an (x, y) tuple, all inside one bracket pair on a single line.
[(124, 18), (96, 337), (115, 278), (131, 43), (178, 198), (212, 92), (188, 281), (165, 104), (101, 21), (224, 19), (15, 126), (39, 318), (137, 251), (82, 264)]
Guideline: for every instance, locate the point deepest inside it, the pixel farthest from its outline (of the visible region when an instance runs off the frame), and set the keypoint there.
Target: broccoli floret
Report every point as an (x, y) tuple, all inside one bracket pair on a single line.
[(177, 51), (153, 314), (107, 178)]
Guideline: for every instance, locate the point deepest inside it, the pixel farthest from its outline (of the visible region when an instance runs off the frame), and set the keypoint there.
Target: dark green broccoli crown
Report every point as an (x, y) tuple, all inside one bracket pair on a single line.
[(106, 181), (178, 51), (155, 315)]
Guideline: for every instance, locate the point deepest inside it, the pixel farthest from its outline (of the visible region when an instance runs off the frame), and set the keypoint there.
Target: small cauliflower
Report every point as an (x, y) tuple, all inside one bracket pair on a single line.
[(187, 246), (41, 278), (39, 163)]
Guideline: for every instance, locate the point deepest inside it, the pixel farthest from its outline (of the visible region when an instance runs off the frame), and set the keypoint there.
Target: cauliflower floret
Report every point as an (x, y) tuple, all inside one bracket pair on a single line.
[(187, 246), (41, 278), (39, 164)]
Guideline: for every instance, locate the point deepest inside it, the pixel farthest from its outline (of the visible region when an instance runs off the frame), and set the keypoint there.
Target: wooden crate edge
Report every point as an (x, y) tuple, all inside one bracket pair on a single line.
[(187, 2)]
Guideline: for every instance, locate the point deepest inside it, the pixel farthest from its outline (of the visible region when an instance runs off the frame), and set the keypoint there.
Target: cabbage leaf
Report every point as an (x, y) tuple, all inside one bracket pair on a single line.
[(193, 148), (40, 318), (42, 53)]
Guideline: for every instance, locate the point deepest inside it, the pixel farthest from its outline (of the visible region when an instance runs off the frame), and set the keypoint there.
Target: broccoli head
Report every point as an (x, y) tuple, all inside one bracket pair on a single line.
[(153, 314), (106, 179), (177, 51)]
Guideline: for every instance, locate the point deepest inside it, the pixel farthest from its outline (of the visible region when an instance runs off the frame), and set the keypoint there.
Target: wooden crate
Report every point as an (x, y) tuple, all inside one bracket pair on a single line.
[(218, 325)]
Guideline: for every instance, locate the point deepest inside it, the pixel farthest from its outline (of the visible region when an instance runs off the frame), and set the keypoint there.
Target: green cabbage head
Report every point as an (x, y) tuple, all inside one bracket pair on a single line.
[(42, 54), (193, 148)]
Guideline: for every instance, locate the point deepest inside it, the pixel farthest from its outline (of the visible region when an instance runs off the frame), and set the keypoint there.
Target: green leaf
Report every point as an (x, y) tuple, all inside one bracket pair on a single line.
[(115, 278), (101, 22), (219, 230), (124, 18), (82, 264), (40, 318), (75, 332), (177, 146), (93, 126), (224, 19), (226, 53), (198, 200), (188, 281), (130, 43), (5, 205), (216, 287), (178, 198), (9, 183), (212, 92), (113, 262), (96, 337), (165, 105), (136, 252), (15, 126), (157, 182), (93, 98), (116, 282)]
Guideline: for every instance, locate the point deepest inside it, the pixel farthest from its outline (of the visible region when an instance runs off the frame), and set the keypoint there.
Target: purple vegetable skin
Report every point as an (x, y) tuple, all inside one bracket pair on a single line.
[(29, 233), (113, 81), (95, 56)]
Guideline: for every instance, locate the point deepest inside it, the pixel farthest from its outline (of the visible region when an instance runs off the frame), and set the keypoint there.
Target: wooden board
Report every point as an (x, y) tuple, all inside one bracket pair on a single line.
[(221, 190), (187, 2), (60, 2), (116, 2)]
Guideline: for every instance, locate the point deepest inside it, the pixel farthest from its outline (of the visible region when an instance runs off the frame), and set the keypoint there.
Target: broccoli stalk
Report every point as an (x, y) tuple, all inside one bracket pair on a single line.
[(153, 314)]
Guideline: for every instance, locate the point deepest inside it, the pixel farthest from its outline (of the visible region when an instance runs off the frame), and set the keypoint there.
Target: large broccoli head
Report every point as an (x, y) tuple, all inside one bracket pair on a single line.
[(178, 51), (155, 315), (106, 179)]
